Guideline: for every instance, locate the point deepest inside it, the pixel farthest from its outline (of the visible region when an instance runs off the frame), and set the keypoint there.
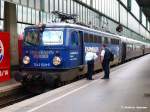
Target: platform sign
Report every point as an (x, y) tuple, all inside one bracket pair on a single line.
[(4, 56)]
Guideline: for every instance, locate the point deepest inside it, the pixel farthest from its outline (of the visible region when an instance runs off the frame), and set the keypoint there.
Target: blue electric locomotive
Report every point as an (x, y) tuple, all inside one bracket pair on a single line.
[(57, 52), (52, 47)]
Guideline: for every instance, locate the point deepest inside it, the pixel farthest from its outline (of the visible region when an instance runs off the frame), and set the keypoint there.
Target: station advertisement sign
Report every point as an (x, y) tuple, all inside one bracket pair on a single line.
[(4, 56)]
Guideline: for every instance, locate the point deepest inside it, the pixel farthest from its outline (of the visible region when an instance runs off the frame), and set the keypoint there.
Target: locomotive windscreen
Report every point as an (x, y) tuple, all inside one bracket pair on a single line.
[(32, 37), (47, 37)]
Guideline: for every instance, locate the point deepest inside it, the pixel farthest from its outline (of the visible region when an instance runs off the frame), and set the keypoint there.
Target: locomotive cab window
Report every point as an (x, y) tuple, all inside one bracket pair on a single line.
[(31, 37)]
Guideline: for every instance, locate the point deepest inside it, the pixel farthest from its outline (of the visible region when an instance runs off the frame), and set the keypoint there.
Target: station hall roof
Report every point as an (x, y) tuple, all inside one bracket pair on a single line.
[(145, 5)]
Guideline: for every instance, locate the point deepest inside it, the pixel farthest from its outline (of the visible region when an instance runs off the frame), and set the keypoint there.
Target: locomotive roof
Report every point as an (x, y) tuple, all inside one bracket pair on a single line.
[(69, 25)]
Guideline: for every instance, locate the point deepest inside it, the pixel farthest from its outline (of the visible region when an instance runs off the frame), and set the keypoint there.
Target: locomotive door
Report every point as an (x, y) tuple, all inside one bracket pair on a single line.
[(81, 52), (143, 49), (76, 48)]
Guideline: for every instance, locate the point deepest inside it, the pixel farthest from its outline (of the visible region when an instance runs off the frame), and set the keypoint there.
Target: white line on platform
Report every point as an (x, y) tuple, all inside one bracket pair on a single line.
[(58, 98)]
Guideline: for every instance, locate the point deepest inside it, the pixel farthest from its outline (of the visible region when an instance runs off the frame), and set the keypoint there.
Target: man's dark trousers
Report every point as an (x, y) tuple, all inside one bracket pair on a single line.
[(90, 69), (105, 65)]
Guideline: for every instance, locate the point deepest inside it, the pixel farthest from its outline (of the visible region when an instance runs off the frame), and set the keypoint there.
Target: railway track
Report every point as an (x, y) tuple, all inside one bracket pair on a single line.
[(18, 96)]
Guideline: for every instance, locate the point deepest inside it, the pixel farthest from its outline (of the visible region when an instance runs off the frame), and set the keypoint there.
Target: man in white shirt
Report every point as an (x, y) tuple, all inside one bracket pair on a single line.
[(90, 57), (102, 54)]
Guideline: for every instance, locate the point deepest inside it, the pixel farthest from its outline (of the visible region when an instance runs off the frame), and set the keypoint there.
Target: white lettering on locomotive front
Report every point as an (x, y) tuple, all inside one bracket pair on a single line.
[(91, 49), (3, 73), (41, 64), (42, 54)]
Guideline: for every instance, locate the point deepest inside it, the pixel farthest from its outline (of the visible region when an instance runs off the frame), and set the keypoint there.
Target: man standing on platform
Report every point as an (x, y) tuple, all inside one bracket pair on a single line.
[(105, 61)]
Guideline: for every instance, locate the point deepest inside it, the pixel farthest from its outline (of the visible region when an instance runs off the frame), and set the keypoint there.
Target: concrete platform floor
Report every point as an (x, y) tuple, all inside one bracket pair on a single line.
[(8, 86), (127, 90)]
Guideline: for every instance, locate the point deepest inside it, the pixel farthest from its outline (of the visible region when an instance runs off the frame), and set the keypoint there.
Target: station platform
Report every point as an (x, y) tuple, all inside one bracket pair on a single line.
[(127, 90), (8, 87)]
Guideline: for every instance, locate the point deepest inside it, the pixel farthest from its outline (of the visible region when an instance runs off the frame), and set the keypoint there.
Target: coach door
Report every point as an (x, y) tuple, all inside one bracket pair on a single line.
[(123, 52)]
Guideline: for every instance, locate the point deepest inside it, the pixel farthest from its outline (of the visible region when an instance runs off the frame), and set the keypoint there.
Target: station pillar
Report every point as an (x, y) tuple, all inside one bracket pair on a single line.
[(10, 25)]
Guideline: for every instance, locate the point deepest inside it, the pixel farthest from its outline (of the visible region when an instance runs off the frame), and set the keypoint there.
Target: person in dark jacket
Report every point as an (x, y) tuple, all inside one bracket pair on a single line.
[(105, 61)]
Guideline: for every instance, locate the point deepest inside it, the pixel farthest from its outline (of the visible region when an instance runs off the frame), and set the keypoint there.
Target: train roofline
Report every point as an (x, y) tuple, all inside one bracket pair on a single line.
[(70, 25)]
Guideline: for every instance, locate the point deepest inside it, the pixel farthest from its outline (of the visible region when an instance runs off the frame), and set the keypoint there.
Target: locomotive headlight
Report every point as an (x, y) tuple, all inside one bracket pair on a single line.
[(26, 60), (56, 61)]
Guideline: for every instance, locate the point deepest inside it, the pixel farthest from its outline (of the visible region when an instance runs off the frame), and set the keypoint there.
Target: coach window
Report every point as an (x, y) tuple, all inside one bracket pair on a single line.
[(74, 38), (132, 47), (135, 47)]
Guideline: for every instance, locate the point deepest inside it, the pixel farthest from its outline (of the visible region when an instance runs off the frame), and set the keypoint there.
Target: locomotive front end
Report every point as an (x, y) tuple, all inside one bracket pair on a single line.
[(44, 54)]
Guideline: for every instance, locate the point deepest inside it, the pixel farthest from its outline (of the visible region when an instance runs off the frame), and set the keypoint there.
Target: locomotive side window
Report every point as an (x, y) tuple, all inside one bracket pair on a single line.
[(99, 39), (74, 38), (115, 41), (91, 38), (95, 39), (86, 37), (105, 40)]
